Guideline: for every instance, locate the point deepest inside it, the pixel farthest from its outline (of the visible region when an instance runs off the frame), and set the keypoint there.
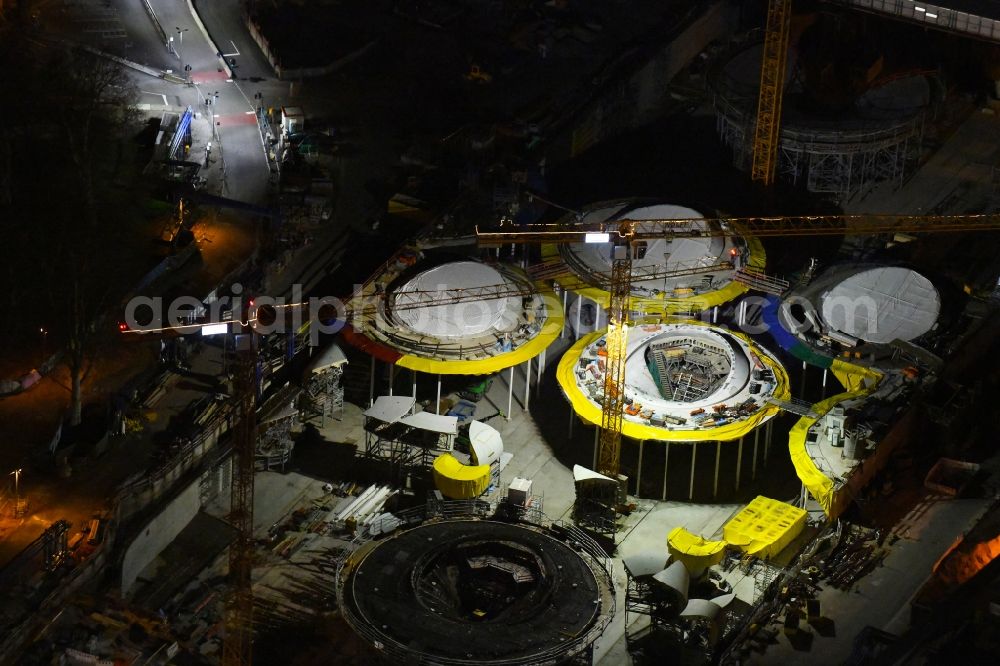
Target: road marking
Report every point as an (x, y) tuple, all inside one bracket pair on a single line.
[(231, 119), (202, 77), (236, 51), (160, 95)]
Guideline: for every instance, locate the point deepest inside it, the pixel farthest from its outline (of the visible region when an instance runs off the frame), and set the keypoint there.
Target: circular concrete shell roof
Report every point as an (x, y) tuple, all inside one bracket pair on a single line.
[(669, 275), (455, 320), (595, 259), (659, 255), (459, 317), (882, 304)]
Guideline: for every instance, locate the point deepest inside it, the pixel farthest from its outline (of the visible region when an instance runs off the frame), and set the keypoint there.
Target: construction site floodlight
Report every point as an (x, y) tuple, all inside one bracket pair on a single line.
[(592, 237), (215, 329)]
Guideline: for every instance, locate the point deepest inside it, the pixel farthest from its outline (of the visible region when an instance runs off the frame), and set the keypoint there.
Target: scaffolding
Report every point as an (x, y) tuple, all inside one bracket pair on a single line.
[(406, 443), (687, 373), (641, 599), (324, 393), (274, 442), (845, 160)]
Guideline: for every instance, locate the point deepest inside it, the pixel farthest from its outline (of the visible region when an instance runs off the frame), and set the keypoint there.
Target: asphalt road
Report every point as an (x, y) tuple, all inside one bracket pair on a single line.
[(242, 148), (122, 28)]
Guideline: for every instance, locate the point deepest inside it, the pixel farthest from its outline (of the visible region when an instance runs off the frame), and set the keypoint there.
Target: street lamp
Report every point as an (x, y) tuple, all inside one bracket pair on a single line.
[(180, 46), (45, 334), (215, 123), (19, 508)]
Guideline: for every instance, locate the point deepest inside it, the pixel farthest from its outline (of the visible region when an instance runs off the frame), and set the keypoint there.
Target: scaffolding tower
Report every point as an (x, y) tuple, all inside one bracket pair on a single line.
[(324, 393), (406, 442), (844, 160)]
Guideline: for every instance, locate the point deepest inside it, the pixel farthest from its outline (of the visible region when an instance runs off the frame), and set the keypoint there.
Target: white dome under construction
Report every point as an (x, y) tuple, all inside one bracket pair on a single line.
[(679, 378), (657, 263), (415, 303)]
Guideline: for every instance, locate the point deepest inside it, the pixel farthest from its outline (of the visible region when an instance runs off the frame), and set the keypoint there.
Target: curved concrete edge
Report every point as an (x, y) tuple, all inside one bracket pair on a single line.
[(208, 37)]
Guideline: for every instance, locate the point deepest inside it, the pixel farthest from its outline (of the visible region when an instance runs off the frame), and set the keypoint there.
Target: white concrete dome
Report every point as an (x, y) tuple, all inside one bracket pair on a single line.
[(660, 265), (882, 304), (454, 320)]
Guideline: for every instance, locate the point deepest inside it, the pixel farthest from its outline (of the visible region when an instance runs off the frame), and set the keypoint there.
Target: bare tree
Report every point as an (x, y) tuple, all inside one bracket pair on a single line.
[(65, 190), (95, 119)]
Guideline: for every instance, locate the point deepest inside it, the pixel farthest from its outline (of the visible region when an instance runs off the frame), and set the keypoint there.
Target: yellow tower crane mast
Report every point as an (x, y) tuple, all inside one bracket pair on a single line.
[(609, 446), (624, 234), (767, 131)]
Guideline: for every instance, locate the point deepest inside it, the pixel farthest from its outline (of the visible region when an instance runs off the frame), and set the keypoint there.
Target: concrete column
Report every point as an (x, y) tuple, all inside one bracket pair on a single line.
[(741, 318), (562, 333), (739, 462), (437, 405), (802, 390), (540, 363), (767, 440), (392, 372), (715, 314), (666, 462), (715, 482), (694, 456), (527, 384), (638, 471), (579, 310), (824, 383), (510, 392), (413, 410), (753, 469), (371, 384)]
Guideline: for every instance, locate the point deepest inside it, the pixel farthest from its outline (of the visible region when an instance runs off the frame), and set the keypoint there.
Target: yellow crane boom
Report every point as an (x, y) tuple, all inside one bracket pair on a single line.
[(764, 226), (767, 131)]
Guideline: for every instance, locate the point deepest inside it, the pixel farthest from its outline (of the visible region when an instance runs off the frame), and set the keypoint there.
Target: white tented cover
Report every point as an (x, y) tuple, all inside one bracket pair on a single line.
[(645, 563), (390, 408), (487, 445), (331, 357), (882, 304), (581, 473), (445, 425)]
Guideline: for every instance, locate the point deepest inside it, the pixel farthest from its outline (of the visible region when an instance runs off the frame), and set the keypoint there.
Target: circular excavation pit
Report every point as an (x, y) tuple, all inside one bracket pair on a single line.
[(475, 591)]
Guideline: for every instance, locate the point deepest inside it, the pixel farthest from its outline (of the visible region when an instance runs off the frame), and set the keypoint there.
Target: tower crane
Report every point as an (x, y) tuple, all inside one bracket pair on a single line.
[(237, 646), (767, 130), (625, 233)]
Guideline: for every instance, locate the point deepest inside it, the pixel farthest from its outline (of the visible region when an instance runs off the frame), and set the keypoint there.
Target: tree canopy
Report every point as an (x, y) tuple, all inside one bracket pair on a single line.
[(70, 195)]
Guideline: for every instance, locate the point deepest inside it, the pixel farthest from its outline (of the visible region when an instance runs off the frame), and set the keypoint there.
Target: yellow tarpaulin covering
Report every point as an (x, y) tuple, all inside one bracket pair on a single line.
[(591, 412), (764, 527), (693, 550), (458, 481), (551, 329), (663, 305), (859, 381), (854, 378)]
